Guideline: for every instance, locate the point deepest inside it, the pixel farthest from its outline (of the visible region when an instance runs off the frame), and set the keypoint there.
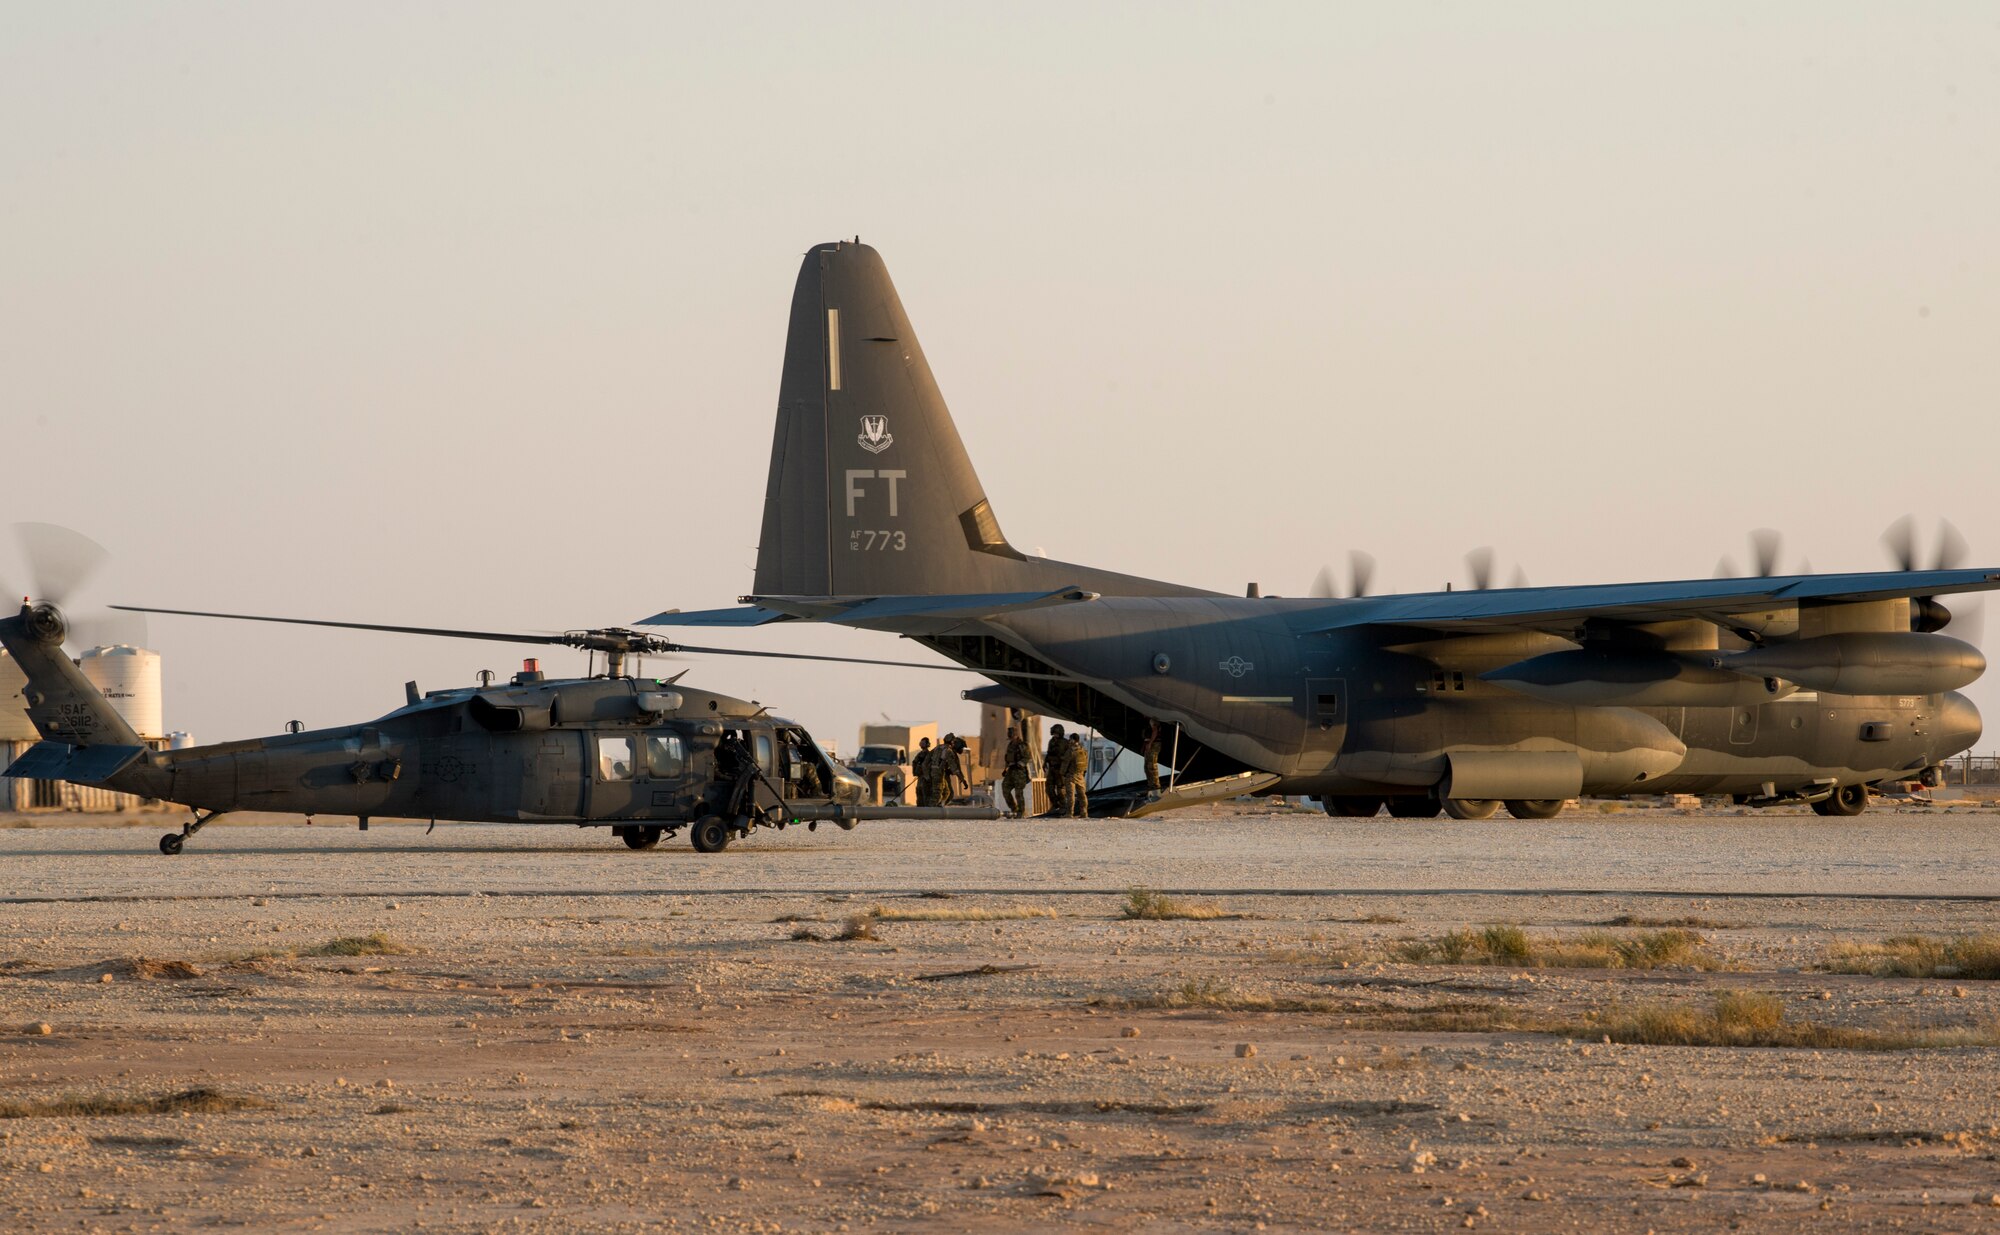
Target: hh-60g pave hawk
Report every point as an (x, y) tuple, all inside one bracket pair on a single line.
[(1775, 688), (642, 756)]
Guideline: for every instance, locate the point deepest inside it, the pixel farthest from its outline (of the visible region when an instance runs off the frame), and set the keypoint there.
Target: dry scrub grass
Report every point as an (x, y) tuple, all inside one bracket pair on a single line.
[(1688, 923), (1673, 948), (1921, 956), (188, 1101), (1211, 995), (1144, 904), (1012, 913), (860, 926), (376, 944), (1735, 1019)]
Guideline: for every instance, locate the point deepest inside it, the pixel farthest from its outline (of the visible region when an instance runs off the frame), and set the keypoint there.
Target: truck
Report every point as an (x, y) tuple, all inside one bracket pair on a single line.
[(882, 761)]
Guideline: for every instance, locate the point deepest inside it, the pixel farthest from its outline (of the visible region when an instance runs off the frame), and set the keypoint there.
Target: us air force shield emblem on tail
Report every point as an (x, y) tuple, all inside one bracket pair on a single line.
[(875, 436)]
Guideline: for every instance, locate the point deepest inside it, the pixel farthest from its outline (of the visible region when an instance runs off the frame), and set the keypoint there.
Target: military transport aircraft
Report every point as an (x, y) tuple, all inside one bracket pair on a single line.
[(1775, 688)]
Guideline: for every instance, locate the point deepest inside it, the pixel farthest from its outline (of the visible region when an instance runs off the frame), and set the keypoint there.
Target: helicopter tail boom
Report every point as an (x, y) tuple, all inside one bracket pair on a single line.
[(62, 704)]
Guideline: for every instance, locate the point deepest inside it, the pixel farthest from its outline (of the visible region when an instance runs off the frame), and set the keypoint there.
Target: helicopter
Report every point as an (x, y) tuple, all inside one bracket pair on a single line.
[(645, 757)]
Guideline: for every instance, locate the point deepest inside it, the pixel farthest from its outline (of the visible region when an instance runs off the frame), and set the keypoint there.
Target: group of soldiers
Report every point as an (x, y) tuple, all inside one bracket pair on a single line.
[(1065, 764), (940, 771)]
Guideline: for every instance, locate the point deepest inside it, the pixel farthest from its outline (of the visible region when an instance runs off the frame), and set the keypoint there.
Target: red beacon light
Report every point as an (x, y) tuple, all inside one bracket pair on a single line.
[(532, 664)]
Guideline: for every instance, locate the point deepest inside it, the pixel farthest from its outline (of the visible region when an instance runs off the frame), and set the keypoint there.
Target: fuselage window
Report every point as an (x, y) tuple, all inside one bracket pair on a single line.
[(766, 755), (665, 759), (614, 758)]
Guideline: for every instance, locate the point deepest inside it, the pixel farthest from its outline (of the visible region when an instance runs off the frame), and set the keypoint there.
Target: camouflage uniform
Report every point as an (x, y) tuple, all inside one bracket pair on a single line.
[(1079, 778), (920, 768), (1150, 748), (1014, 780), (1055, 764), (949, 763)]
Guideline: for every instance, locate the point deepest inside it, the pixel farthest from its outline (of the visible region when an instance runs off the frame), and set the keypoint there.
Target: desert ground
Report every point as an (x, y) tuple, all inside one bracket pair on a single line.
[(1610, 1021)]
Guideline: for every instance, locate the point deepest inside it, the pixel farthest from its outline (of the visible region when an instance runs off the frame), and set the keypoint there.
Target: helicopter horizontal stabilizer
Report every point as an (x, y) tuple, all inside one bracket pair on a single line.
[(84, 765)]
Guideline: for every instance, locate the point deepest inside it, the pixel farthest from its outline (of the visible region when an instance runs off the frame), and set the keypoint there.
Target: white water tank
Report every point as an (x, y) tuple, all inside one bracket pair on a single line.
[(179, 740), (130, 678), (14, 726)]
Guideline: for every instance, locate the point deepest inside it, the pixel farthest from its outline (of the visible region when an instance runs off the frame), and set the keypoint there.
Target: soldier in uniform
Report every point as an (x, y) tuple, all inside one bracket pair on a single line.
[(1014, 780), (920, 768), (948, 768), (1150, 748), (1055, 762), (1079, 778)]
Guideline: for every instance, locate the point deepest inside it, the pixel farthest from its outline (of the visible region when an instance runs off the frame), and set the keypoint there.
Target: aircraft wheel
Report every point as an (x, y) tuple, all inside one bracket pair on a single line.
[(1534, 808), (1414, 808), (1470, 808), (1353, 808), (639, 838), (171, 843), (710, 834), (1844, 802)]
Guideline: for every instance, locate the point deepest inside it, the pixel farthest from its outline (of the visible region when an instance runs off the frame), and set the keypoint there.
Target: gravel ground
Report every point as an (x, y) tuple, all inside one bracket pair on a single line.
[(555, 1033)]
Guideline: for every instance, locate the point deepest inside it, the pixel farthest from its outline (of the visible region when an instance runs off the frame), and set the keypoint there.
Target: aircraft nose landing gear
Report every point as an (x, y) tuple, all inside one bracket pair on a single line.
[(172, 842)]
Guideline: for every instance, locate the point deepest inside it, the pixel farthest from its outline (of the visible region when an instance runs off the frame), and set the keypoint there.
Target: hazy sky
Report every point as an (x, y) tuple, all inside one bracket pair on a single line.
[(472, 314)]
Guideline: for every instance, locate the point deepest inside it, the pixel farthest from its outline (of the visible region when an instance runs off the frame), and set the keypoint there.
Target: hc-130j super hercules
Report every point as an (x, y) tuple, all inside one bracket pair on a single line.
[(642, 756), (1773, 688)]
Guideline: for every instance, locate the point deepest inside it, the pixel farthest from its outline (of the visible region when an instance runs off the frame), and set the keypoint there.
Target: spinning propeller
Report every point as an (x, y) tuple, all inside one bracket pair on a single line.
[(1480, 563), (60, 564), (1360, 574), (1765, 544), (1949, 553)]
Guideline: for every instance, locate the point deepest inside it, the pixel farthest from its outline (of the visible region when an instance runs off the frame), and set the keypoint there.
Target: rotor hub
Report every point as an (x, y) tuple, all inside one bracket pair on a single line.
[(46, 623)]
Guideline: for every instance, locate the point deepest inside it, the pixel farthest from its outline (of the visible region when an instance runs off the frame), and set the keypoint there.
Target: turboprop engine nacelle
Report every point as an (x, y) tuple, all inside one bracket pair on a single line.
[(1587, 678), (1867, 663)]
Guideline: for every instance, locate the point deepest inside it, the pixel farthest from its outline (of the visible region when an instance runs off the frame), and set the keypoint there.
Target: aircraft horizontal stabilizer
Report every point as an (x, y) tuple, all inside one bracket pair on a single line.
[(902, 614), (83, 765)]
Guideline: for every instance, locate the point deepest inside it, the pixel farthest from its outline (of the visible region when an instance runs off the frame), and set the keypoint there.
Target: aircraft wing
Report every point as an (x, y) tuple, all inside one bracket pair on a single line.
[(1560, 609)]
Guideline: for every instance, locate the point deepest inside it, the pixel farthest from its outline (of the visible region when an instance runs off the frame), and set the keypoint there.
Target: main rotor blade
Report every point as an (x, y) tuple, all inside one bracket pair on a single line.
[(59, 560), (440, 632), (858, 660), (659, 646)]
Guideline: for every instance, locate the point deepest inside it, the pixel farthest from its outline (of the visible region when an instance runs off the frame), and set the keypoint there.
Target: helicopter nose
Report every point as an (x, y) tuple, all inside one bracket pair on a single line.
[(1959, 725)]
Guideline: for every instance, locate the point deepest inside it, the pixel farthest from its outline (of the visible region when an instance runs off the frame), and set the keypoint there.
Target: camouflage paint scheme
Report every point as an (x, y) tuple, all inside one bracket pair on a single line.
[(1770, 688), (527, 752)]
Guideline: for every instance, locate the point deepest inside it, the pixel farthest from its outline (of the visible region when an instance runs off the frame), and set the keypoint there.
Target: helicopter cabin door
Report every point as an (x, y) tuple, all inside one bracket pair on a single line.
[(614, 773)]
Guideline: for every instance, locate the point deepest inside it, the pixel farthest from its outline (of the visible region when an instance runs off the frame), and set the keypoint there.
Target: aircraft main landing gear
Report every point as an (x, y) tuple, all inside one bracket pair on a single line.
[(172, 842), (1414, 808), (1470, 808), (711, 834), (1844, 802), (1352, 807), (638, 837), (1535, 808)]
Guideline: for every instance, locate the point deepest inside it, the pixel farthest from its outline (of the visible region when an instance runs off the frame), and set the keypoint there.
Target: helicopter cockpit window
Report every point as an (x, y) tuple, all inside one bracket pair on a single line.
[(665, 757), (614, 758)]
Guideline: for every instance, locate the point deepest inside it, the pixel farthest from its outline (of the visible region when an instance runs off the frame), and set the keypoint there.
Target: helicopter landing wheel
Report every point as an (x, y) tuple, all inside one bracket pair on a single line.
[(171, 843), (639, 838), (710, 834)]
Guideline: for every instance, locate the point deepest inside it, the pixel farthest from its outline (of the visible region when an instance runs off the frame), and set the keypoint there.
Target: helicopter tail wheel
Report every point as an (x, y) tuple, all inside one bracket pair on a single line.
[(710, 834), (173, 842)]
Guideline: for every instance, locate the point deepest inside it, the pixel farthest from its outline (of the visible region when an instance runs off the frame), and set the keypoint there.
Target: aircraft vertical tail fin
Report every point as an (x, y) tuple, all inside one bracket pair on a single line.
[(62, 704), (871, 492)]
